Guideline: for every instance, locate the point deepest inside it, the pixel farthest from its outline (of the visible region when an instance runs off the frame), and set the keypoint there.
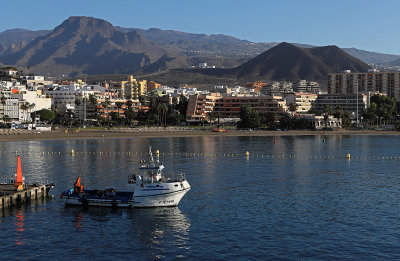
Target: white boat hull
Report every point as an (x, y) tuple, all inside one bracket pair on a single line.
[(148, 195), (160, 200), (159, 194)]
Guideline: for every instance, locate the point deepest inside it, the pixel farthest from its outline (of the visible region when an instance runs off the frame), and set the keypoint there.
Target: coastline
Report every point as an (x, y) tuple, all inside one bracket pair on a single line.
[(129, 133)]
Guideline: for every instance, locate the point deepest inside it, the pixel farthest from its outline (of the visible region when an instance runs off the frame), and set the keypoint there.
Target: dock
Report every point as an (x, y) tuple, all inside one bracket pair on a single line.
[(9, 196)]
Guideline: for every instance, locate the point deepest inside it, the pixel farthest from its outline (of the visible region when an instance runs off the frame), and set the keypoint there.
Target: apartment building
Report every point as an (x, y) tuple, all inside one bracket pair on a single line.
[(304, 101), (130, 89), (373, 81), (348, 102), (305, 86), (12, 110), (202, 107)]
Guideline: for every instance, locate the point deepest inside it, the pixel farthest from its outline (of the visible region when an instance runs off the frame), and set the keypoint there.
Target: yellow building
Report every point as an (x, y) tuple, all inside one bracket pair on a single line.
[(133, 88)]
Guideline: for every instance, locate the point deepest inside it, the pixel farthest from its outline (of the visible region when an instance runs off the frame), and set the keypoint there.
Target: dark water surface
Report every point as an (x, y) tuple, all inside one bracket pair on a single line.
[(286, 201)]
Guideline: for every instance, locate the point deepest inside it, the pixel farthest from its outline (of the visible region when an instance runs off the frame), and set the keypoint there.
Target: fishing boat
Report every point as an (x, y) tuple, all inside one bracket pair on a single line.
[(150, 189)]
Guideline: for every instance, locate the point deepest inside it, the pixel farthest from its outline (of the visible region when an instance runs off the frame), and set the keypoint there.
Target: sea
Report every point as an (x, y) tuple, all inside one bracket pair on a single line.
[(333, 197)]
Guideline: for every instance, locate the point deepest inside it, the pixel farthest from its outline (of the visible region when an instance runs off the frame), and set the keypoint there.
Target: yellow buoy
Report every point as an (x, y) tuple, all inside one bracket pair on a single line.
[(72, 151), (157, 152), (247, 154), (348, 156)]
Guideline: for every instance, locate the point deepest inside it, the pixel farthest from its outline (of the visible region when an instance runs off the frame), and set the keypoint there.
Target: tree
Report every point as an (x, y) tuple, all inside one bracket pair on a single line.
[(114, 116), (106, 104), (24, 107), (249, 118), (119, 106), (174, 102), (381, 107), (327, 112), (6, 118), (93, 99), (129, 104), (31, 107), (338, 112), (286, 121), (3, 99), (182, 106), (162, 109), (269, 119), (293, 107), (130, 115), (46, 115), (142, 99), (346, 119), (77, 102)]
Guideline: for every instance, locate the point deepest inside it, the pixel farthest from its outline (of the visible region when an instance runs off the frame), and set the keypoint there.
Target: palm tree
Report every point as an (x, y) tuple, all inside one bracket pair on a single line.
[(129, 103), (162, 114), (3, 99), (31, 107), (293, 108), (77, 102), (327, 111), (24, 107), (119, 106), (6, 118), (105, 104)]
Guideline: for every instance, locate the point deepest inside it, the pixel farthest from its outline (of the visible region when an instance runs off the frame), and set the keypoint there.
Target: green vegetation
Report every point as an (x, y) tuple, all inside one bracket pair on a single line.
[(381, 111), (251, 119), (46, 115)]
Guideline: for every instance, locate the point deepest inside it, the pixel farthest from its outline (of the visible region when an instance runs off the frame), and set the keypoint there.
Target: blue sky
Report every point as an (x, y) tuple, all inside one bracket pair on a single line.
[(370, 24)]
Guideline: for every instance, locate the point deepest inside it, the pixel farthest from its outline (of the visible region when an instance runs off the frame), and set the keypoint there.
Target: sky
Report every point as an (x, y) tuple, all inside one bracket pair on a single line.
[(370, 25)]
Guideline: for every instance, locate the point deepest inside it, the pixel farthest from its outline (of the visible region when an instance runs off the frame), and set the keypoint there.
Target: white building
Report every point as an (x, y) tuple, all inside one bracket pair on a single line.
[(303, 101), (34, 97), (64, 97), (11, 109)]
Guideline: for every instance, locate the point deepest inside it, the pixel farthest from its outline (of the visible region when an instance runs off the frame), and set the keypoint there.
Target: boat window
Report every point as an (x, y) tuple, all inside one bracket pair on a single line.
[(176, 185), (157, 186)]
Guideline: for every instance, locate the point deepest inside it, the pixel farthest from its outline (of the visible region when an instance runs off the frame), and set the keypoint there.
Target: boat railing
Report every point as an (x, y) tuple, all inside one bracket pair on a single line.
[(177, 177), (173, 178)]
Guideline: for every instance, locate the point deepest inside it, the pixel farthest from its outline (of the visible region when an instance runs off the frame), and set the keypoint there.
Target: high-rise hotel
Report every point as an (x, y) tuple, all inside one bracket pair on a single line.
[(373, 81)]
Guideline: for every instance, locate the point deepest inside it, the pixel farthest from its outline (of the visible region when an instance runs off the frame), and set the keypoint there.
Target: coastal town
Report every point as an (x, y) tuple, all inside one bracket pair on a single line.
[(35, 103)]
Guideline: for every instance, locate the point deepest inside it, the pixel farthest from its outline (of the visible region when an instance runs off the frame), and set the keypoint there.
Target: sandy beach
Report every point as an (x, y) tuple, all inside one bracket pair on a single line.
[(158, 132)]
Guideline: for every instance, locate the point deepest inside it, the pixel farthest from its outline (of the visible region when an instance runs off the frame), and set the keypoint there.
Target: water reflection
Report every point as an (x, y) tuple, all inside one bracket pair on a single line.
[(20, 227), (161, 230)]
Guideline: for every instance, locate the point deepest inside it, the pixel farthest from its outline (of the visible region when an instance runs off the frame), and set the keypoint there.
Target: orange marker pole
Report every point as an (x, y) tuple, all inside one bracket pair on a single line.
[(19, 181)]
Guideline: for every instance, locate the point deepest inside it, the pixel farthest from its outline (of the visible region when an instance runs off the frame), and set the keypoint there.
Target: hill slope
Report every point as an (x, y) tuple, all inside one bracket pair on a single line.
[(14, 40), (289, 62), (91, 46)]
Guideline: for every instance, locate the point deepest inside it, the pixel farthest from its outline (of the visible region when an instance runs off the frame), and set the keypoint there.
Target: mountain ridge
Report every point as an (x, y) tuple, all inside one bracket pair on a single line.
[(90, 46), (86, 45), (289, 62)]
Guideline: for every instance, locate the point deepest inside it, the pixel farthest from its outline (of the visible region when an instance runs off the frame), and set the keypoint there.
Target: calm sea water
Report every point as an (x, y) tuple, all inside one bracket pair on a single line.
[(288, 200)]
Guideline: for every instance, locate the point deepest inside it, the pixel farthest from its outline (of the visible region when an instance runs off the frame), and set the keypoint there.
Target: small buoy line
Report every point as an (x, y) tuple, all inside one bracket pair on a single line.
[(247, 155)]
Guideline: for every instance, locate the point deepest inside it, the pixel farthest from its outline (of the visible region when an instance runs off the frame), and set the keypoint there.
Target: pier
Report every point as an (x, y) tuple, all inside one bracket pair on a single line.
[(9, 196)]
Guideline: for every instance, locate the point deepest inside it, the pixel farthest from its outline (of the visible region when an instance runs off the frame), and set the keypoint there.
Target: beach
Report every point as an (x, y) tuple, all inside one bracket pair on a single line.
[(13, 135)]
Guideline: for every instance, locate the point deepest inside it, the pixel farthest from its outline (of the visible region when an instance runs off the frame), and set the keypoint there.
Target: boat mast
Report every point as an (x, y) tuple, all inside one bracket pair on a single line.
[(151, 159)]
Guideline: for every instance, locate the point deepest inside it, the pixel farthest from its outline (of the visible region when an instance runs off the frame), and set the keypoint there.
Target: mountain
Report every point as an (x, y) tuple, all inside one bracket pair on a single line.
[(371, 57), (91, 46), (201, 44), (289, 62), (14, 40), (85, 45)]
